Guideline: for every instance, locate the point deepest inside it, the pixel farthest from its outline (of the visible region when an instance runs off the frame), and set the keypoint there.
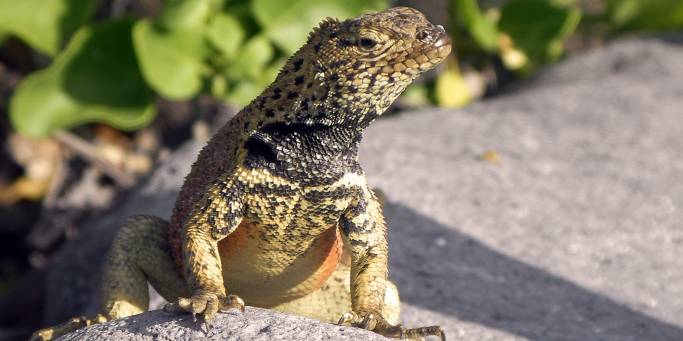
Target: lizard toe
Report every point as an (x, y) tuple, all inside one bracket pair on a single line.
[(347, 319), (377, 323), (202, 303), (66, 327), (232, 302), (210, 310)]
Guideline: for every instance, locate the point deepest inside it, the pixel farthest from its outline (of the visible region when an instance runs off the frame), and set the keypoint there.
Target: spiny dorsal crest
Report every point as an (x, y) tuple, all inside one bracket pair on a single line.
[(326, 25)]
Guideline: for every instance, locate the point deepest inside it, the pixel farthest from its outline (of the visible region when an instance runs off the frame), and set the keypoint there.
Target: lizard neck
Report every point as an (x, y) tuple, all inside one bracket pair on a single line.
[(306, 92), (309, 154)]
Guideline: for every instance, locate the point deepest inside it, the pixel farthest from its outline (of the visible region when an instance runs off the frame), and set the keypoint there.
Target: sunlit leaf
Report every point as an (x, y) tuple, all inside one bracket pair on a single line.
[(184, 14), (287, 23), (95, 79), (538, 28), (623, 11), (219, 86), (646, 14), (45, 25), (251, 59), (172, 61), (226, 34), (244, 92), (268, 75), (481, 28)]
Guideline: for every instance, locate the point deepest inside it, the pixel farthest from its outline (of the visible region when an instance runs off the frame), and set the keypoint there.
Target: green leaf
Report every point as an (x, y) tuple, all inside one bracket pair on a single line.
[(620, 12), (172, 61), (648, 15), (484, 31), (270, 73), (287, 23), (244, 92), (226, 34), (45, 25), (252, 59), (184, 14), (247, 88), (538, 27), (95, 79), (219, 86)]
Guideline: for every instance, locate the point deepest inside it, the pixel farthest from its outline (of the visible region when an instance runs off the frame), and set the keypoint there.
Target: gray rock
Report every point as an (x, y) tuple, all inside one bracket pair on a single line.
[(576, 234), (254, 324)]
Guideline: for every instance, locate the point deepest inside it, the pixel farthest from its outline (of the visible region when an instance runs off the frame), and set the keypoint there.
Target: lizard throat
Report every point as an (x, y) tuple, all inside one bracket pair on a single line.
[(309, 153)]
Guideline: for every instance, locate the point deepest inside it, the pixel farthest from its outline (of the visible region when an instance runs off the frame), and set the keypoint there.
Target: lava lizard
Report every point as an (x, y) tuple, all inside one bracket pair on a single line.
[(276, 211)]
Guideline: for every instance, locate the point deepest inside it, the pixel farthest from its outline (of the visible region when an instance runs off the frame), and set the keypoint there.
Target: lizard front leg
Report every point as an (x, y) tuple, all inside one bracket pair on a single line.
[(213, 218), (365, 232)]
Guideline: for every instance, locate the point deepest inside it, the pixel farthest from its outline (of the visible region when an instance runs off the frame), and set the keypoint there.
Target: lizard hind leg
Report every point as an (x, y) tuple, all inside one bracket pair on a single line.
[(139, 254)]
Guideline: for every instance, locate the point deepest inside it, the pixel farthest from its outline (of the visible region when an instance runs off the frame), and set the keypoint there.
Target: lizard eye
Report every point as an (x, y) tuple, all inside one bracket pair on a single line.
[(367, 43)]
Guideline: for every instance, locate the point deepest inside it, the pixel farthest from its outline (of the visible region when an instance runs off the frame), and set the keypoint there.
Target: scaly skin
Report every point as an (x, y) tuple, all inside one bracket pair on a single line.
[(276, 211)]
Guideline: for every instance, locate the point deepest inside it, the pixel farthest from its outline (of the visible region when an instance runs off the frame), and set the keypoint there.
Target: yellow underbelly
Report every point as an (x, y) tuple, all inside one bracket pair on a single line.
[(267, 269)]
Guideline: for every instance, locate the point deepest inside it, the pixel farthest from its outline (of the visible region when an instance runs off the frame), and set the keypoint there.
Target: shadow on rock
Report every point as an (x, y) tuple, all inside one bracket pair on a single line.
[(434, 266), (671, 37), (439, 269)]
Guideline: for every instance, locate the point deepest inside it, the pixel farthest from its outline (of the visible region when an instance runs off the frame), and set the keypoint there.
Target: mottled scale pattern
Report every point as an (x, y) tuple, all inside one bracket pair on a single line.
[(276, 211)]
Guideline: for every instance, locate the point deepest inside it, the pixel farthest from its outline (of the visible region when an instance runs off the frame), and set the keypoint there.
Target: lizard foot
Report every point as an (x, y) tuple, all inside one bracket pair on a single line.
[(377, 324), (206, 304), (66, 328)]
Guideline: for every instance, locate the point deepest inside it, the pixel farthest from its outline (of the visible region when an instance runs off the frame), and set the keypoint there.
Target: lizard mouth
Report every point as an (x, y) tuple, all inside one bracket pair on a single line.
[(443, 38), (443, 46), (434, 54)]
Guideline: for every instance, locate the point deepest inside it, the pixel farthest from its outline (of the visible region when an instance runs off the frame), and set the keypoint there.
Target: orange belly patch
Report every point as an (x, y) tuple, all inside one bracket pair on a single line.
[(263, 275)]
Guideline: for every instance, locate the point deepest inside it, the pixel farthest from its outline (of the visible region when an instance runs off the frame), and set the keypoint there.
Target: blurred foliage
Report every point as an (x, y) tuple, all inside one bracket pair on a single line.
[(45, 25), (109, 70), (95, 79), (647, 15), (522, 34), (527, 34)]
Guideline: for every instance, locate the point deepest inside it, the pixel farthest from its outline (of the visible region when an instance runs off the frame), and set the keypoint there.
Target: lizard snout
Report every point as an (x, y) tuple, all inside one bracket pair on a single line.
[(434, 35), (437, 45)]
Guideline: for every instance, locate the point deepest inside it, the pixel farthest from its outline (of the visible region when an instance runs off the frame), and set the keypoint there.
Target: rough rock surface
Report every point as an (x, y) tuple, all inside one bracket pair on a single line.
[(575, 234), (254, 325)]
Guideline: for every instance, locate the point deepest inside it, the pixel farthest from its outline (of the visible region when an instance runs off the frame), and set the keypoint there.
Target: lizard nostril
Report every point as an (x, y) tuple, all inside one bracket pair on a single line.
[(423, 35)]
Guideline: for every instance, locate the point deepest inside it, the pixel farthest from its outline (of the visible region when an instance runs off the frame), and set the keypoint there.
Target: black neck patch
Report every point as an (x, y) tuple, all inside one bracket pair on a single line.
[(308, 154)]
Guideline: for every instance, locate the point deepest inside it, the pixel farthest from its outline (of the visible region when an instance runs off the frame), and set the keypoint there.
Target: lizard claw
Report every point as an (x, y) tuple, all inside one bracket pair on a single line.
[(66, 327), (201, 303), (376, 323), (347, 319), (206, 304), (232, 302)]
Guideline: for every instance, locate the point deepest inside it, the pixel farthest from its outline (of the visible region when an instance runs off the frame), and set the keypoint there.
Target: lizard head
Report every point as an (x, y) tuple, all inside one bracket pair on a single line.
[(349, 72)]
